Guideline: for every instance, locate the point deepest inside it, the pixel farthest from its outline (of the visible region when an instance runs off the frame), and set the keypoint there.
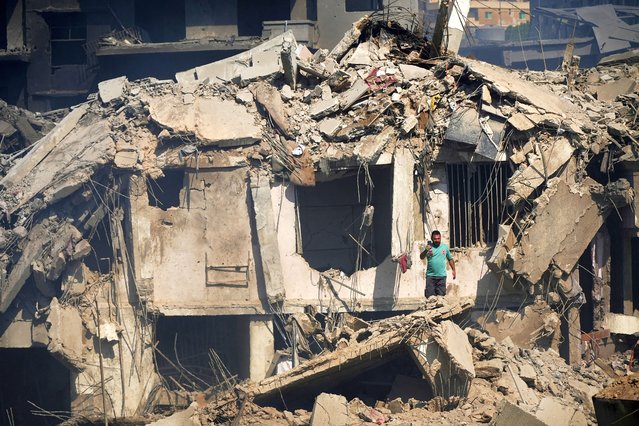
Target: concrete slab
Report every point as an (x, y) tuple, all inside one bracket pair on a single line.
[(489, 368), (110, 90), (214, 122), (509, 414), (267, 236), (621, 324), (609, 91), (553, 412), (413, 72), (353, 94), (520, 122), (330, 409), (402, 215), (324, 107)]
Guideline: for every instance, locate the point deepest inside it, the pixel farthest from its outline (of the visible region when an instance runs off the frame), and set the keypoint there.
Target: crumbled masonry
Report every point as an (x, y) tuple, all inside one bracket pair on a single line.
[(264, 126)]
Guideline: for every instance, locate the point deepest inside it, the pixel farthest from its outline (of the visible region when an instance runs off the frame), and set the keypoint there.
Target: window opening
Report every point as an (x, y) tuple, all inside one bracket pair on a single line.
[(488, 15), (68, 35), (476, 194), (346, 218), (164, 192), (363, 5)]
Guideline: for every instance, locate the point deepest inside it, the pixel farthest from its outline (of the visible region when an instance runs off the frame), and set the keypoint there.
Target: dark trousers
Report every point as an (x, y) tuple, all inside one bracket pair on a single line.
[(435, 286)]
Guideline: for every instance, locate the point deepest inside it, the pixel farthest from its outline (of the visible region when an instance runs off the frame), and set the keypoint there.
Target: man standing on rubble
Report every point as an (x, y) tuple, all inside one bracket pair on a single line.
[(437, 254)]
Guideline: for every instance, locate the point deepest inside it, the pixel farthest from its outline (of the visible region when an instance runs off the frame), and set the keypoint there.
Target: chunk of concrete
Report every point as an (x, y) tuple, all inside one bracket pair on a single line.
[(214, 122), (489, 369), (527, 373), (110, 90), (526, 180), (330, 409), (520, 122), (264, 65), (609, 91), (65, 332), (413, 72), (126, 159), (7, 129), (324, 107), (408, 124), (330, 126), (353, 94), (364, 54), (244, 97), (269, 98), (180, 418), (267, 237), (621, 324), (509, 414), (553, 412), (81, 250)]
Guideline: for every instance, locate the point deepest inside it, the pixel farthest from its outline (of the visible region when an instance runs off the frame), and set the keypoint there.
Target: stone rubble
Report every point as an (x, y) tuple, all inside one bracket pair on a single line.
[(289, 117)]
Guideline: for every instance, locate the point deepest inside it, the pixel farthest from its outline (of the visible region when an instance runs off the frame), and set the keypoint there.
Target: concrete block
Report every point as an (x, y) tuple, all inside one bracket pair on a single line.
[(489, 369), (39, 334), (408, 124), (330, 126), (126, 159), (7, 129), (413, 72), (112, 89), (353, 94), (264, 65), (81, 250), (520, 122), (527, 373), (553, 412), (621, 324), (330, 409), (609, 91), (509, 414), (323, 108), (180, 418), (244, 97), (65, 332)]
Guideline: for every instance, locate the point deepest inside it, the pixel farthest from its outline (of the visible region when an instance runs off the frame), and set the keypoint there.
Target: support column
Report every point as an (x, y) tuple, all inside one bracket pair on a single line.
[(626, 250), (570, 348), (261, 345)]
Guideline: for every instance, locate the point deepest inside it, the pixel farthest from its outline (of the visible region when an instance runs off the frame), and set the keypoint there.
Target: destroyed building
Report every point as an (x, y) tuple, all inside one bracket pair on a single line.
[(172, 236), (54, 52)]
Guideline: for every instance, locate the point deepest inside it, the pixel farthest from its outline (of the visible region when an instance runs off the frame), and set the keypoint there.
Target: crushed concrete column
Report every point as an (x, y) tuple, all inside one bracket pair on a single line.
[(571, 330), (402, 218), (261, 345), (267, 237)]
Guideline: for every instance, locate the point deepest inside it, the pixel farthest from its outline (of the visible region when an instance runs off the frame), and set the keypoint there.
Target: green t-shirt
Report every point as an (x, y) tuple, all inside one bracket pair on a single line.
[(437, 262)]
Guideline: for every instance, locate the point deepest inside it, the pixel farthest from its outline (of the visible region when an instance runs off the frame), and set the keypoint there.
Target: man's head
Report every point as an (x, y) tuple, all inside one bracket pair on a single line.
[(436, 236)]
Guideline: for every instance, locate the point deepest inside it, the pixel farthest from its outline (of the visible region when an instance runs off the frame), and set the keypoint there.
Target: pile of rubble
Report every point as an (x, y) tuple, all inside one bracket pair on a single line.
[(502, 380), (289, 113), (20, 129)]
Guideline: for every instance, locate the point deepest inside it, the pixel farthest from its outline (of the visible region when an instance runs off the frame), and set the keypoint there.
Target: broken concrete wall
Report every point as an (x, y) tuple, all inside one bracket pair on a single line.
[(215, 253), (381, 288), (474, 278)]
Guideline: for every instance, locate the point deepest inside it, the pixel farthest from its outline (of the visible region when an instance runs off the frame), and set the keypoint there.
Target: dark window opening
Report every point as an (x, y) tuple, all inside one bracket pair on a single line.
[(472, 13), (164, 192), (634, 246), (192, 345), (68, 35), (363, 5), (476, 194), (161, 21), (251, 14), (3, 24), (338, 230), (32, 375)]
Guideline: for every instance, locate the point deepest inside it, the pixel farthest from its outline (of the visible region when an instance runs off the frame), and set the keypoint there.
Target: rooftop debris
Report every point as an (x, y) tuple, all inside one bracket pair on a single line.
[(285, 113)]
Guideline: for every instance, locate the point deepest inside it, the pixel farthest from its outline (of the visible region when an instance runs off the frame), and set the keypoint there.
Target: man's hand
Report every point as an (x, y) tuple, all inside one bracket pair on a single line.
[(454, 274)]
